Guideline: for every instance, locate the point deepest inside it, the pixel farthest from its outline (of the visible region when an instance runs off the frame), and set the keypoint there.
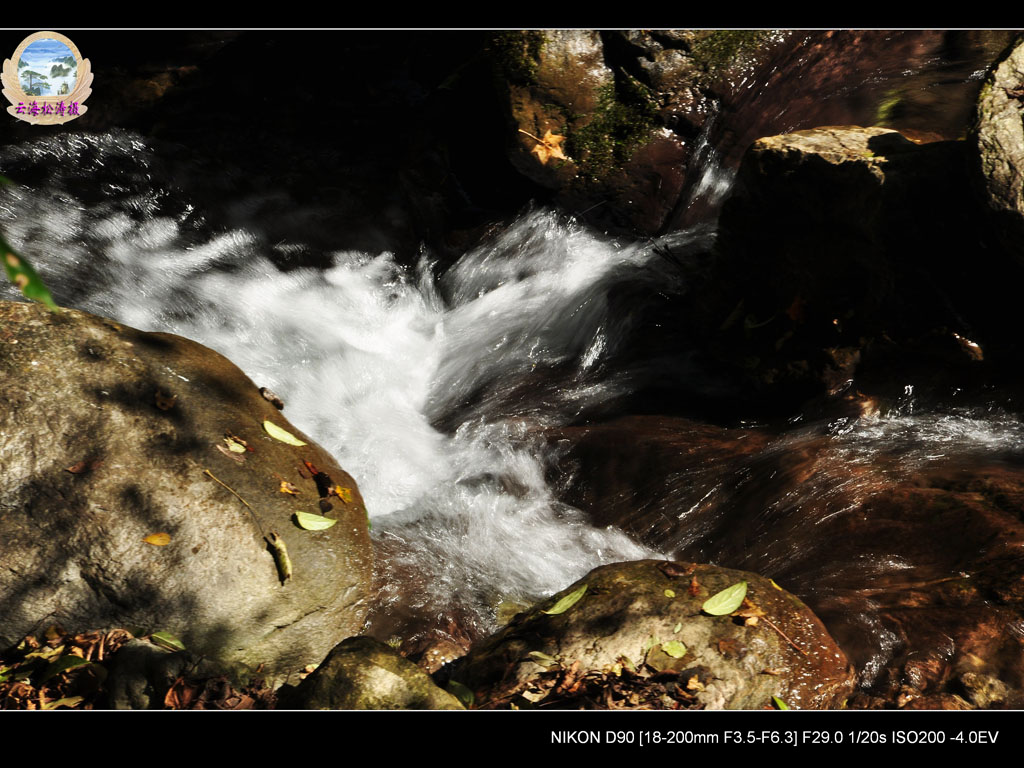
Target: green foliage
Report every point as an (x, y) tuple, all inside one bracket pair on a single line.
[(516, 55), (21, 273), (727, 48), (626, 112)]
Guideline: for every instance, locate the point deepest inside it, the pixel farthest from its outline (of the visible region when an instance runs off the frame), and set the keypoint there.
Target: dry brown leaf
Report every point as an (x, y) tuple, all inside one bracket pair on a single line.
[(165, 402), (86, 465), (238, 458), (548, 147)]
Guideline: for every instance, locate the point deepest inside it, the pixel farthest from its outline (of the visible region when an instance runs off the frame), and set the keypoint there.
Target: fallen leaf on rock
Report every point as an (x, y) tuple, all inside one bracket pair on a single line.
[(165, 402), (325, 506), (669, 593), (726, 601), (461, 692), (279, 434), (272, 398), (548, 147), (234, 445), (566, 602), (237, 458), (674, 570), (158, 539), (287, 487), (694, 588), (86, 465), (280, 552), (345, 494), (544, 659), (68, 701), (167, 640), (312, 522), (674, 648), (63, 664)]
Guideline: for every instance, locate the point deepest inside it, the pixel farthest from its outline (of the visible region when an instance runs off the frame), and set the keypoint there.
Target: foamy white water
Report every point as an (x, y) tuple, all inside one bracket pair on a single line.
[(369, 357)]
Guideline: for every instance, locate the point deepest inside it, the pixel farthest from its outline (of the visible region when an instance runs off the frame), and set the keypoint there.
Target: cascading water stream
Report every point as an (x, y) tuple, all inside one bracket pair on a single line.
[(434, 391)]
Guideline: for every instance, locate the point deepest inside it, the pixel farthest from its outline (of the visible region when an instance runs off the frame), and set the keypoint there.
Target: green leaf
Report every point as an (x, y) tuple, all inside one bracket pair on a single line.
[(312, 522), (678, 626), (20, 272), (726, 601), (279, 434), (669, 593), (566, 602), (674, 648), (63, 664), (779, 703), (461, 692), (69, 701), (544, 659), (167, 640)]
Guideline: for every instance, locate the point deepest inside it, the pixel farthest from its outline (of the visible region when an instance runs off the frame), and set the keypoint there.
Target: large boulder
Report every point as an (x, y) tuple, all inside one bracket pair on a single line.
[(108, 435), (998, 136), (637, 637)]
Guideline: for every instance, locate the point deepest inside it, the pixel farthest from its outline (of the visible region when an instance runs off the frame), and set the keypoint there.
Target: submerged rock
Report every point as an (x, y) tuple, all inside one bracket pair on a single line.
[(362, 673), (111, 435), (637, 638)]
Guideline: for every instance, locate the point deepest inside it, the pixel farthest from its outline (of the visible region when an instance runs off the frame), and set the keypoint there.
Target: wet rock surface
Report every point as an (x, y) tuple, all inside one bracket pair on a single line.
[(111, 435), (911, 558), (637, 638)]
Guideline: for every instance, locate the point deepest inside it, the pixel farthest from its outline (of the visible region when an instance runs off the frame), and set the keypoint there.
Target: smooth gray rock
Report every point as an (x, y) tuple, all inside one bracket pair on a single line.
[(106, 435)]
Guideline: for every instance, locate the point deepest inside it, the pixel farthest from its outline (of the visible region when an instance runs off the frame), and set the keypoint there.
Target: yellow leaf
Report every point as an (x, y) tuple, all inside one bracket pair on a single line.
[(287, 487), (279, 434), (233, 445), (345, 494), (312, 522), (548, 147), (158, 539)]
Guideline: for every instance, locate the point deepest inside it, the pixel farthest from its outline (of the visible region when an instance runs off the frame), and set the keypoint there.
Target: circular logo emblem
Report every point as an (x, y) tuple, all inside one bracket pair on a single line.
[(46, 81)]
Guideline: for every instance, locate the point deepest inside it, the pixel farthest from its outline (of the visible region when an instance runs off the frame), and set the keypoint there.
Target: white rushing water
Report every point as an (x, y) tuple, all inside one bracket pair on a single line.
[(368, 356)]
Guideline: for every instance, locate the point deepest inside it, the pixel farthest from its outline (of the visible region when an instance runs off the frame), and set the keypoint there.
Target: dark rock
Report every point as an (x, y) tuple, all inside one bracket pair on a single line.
[(141, 674), (112, 434), (617, 647), (362, 673), (840, 244), (906, 545)]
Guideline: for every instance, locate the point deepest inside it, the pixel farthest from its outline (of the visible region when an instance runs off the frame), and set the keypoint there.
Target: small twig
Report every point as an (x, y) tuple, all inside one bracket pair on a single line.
[(539, 141), (771, 624), (235, 493)]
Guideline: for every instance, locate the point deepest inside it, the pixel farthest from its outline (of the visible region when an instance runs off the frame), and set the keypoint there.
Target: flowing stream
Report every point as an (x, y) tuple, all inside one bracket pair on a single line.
[(431, 389)]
